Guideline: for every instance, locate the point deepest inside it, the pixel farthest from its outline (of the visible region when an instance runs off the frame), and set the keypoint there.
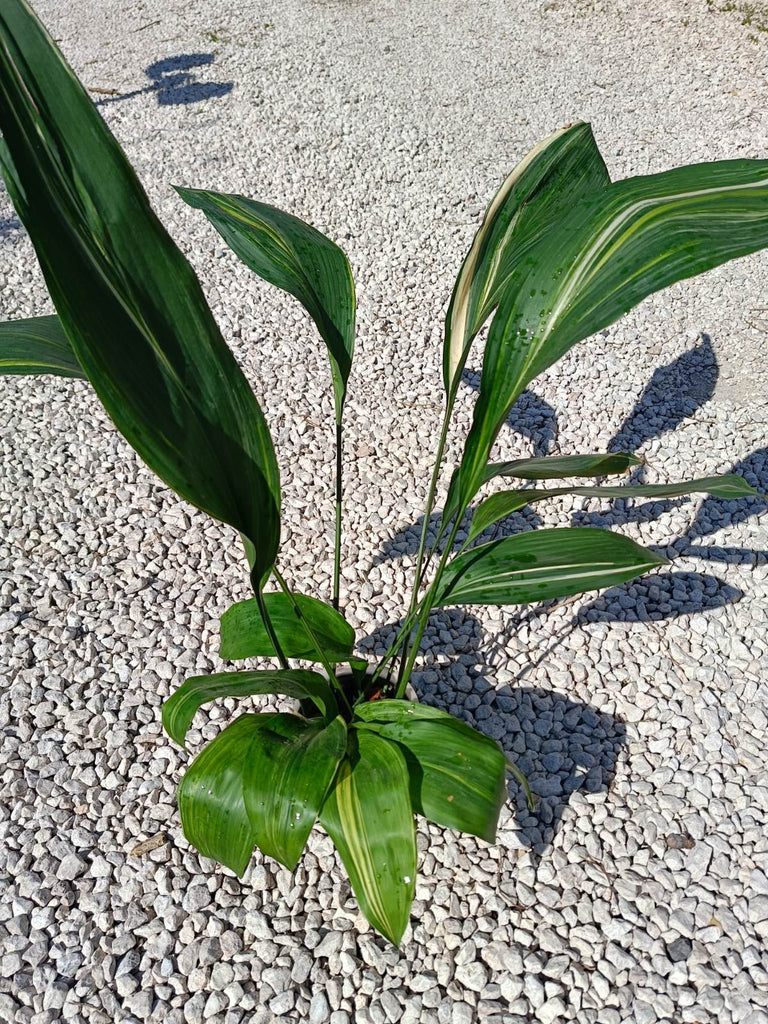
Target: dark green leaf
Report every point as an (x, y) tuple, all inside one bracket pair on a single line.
[(128, 301), (37, 346), (291, 764), (605, 254), (243, 634), (212, 799), (555, 467), (542, 564), (562, 168), (369, 817), (503, 504), (179, 710), (551, 467), (298, 259), (457, 775)]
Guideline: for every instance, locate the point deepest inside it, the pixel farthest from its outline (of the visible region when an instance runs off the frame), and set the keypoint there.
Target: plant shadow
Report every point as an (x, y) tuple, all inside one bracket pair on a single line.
[(560, 744), (9, 225), (173, 82)]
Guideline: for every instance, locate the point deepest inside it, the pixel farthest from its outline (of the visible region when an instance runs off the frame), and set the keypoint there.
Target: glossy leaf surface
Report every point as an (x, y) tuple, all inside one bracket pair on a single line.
[(179, 709), (127, 299), (550, 467), (212, 795), (542, 564), (557, 172), (368, 815), (296, 258), (607, 253), (243, 634), (457, 775), (38, 345), (503, 504), (291, 764)]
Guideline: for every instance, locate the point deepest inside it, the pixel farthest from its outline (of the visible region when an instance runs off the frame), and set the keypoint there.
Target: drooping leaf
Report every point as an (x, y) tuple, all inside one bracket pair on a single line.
[(368, 816), (179, 709), (298, 259), (607, 253), (128, 301), (562, 168), (243, 634), (550, 467), (542, 564), (212, 795), (37, 345), (291, 764), (503, 504), (457, 775)]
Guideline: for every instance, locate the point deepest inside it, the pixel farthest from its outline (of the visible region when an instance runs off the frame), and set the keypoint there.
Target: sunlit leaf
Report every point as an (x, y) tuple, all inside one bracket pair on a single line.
[(457, 775), (128, 301), (542, 564), (298, 259), (291, 764), (35, 346), (604, 255), (557, 172), (503, 504), (369, 817), (179, 710), (243, 634)]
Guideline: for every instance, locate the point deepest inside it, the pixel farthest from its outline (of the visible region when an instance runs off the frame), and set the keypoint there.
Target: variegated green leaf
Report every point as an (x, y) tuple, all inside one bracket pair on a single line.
[(212, 795), (542, 564), (551, 467), (297, 258), (244, 635), (291, 763), (129, 302), (180, 709), (555, 173), (607, 253), (457, 775), (503, 504), (368, 816), (38, 345)]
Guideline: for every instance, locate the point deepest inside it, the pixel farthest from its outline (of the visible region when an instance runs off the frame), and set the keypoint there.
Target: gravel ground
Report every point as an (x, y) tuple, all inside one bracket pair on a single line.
[(639, 889)]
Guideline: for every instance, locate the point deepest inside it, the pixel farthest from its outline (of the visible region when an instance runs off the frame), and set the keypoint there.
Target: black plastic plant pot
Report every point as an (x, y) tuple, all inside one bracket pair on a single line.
[(357, 684)]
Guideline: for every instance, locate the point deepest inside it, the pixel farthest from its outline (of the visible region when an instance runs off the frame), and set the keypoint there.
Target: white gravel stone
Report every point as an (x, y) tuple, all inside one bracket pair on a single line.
[(636, 891)]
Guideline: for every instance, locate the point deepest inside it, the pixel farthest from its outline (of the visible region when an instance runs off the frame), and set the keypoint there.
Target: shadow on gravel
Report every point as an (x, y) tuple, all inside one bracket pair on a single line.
[(173, 83), (8, 225), (560, 744)]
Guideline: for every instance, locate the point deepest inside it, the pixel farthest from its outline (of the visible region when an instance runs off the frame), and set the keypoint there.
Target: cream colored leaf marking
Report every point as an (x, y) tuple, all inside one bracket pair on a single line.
[(458, 326), (351, 816), (582, 273)]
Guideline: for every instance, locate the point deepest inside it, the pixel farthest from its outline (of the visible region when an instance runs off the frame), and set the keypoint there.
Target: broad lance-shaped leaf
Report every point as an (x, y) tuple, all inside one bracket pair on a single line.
[(128, 301), (38, 345), (244, 635), (503, 504), (607, 253), (180, 709), (555, 173), (542, 564), (368, 816), (212, 795), (457, 775), (291, 764), (296, 258), (550, 467)]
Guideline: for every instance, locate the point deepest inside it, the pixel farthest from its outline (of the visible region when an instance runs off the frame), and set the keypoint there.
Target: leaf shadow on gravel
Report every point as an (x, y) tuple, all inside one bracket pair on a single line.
[(9, 225), (173, 82), (561, 745)]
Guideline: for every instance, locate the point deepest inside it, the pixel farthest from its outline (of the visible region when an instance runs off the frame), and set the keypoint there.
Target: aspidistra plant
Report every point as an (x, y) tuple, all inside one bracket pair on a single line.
[(561, 253)]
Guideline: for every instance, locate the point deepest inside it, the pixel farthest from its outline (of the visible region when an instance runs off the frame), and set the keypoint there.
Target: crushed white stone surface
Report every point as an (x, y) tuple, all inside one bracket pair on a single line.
[(639, 889)]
